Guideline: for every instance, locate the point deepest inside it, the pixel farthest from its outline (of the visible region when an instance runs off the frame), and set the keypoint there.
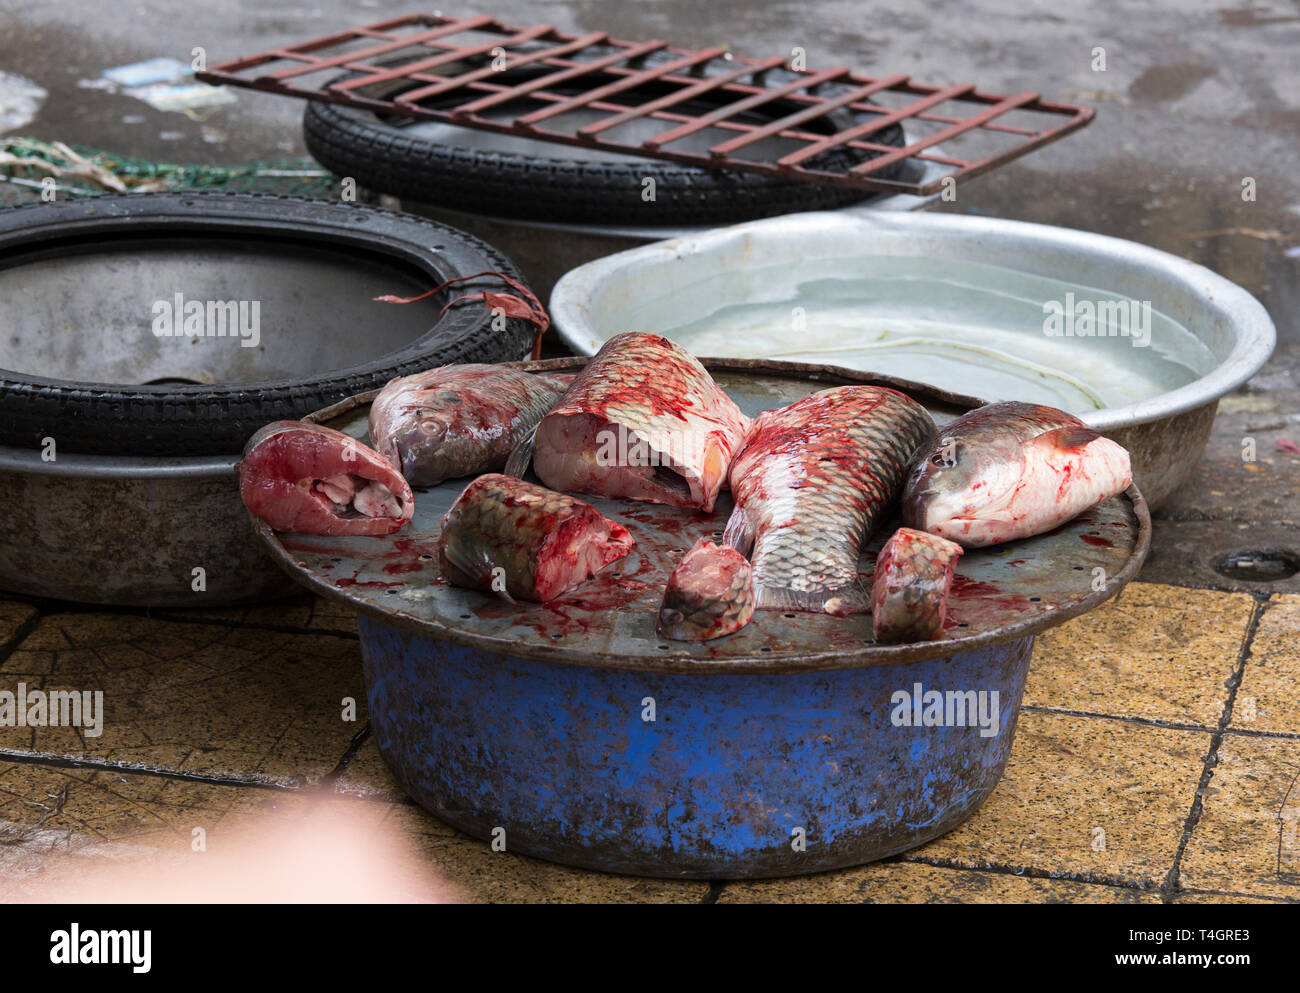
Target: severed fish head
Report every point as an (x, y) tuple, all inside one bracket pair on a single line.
[(438, 443), (457, 421), (1004, 488), (960, 477)]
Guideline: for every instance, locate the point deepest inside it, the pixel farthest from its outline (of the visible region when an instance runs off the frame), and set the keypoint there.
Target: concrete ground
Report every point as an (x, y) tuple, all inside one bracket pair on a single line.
[(1167, 721)]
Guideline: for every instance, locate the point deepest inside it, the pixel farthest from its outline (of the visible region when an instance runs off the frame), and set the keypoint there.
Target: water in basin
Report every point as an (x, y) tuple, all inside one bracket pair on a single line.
[(969, 327)]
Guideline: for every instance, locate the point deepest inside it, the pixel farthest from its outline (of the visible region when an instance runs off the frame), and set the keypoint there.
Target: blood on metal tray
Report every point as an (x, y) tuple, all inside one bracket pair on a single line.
[(458, 69), (1022, 587)]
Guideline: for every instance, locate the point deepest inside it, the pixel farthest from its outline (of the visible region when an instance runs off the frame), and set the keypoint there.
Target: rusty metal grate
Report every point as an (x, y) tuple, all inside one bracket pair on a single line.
[(706, 107)]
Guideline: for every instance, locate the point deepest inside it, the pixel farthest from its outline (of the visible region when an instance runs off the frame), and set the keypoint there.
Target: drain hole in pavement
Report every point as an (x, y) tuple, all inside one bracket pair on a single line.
[(1259, 565)]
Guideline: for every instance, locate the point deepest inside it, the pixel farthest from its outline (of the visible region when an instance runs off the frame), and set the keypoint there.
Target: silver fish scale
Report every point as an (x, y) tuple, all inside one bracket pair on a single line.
[(819, 549), (635, 419), (650, 385), (833, 512)]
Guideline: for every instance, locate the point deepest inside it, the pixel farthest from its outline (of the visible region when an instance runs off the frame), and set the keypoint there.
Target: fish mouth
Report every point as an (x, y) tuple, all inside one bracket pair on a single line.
[(421, 470), (918, 508)]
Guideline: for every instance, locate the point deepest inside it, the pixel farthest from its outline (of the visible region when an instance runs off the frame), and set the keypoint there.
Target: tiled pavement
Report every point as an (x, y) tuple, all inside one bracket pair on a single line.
[(1156, 761)]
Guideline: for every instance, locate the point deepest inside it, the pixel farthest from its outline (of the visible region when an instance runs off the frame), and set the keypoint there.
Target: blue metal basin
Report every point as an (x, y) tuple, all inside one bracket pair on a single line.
[(571, 731), (732, 772)]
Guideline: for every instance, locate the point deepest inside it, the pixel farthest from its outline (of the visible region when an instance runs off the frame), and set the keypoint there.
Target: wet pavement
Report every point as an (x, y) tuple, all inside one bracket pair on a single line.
[(1143, 734)]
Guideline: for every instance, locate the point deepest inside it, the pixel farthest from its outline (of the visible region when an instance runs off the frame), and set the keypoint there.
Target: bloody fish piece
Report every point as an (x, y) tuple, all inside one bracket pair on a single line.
[(909, 591), (811, 483), (311, 479), (525, 542), (643, 420), (710, 594), (457, 420), (1011, 470)]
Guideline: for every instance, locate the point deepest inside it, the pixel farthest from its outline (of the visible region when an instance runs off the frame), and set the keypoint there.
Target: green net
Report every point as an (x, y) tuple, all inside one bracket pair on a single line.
[(26, 165)]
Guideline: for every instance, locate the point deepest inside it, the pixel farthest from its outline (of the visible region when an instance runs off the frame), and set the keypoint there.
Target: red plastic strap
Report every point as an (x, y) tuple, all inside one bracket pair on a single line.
[(529, 308)]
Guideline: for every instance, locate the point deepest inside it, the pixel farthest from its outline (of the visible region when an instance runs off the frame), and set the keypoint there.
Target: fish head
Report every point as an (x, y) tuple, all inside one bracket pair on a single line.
[(420, 445), (957, 480)]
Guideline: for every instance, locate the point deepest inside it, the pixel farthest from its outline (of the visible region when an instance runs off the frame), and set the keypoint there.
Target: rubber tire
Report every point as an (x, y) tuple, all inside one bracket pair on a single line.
[(354, 142), (113, 419)]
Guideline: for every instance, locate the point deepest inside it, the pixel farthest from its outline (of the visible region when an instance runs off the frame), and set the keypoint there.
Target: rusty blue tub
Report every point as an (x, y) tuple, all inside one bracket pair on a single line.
[(570, 731), (688, 776)]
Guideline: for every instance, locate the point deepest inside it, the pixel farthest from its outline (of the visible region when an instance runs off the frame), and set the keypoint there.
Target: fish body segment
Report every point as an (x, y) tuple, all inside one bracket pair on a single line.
[(524, 542), (909, 589), (310, 479), (812, 482), (709, 595), (644, 420)]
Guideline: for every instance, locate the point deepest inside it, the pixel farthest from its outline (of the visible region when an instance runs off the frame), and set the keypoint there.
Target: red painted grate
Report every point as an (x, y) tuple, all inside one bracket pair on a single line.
[(704, 108)]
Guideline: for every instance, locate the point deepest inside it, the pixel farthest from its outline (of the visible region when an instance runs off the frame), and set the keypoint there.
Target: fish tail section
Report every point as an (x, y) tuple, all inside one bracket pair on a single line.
[(710, 594), (841, 601)]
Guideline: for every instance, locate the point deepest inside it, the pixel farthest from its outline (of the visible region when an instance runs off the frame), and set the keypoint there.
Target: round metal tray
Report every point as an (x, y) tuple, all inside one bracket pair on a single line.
[(1000, 594)]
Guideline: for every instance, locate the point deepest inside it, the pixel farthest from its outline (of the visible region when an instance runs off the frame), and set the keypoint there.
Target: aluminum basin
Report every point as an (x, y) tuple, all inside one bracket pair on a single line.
[(955, 301)]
